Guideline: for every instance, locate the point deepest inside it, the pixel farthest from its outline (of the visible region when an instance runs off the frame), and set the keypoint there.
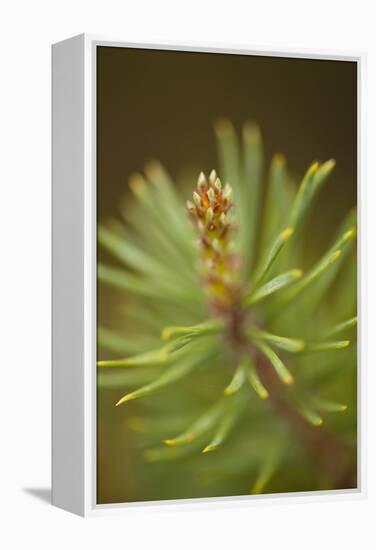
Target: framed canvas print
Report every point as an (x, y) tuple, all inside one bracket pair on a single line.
[(205, 303)]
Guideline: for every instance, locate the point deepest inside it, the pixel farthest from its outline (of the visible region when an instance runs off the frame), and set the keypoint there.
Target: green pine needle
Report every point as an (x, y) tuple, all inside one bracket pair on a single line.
[(282, 372), (278, 283), (223, 249)]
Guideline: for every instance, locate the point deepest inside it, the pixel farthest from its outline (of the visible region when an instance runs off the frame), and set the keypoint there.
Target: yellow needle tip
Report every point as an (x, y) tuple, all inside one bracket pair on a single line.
[(166, 333), (344, 344), (123, 400), (137, 183), (288, 380), (328, 165), (286, 233), (169, 442), (280, 159), (263, 394), (257, 488), (209, 448), (297, 273), (350, 233)]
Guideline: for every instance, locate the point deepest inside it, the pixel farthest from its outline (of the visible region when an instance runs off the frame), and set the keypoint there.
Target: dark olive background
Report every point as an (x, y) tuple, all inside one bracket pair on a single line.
[(162, 104)]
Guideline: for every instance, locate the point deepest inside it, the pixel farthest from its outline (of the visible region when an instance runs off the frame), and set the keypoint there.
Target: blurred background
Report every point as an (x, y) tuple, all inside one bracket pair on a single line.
[(162, 104)]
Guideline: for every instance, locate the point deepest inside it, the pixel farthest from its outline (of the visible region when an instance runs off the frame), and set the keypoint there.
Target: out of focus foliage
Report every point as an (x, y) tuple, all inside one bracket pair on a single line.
[(201, 413)]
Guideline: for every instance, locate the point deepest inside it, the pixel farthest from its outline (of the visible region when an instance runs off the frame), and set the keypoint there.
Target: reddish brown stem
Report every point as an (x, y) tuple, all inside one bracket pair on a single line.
[(334, 458)]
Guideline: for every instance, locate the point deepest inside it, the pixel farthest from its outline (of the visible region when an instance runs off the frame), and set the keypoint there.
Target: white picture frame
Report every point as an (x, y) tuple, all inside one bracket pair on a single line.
[(74, 278)]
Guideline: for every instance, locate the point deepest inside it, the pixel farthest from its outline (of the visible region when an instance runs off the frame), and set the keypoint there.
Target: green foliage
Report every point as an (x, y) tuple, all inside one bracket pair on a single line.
[(246, 394)]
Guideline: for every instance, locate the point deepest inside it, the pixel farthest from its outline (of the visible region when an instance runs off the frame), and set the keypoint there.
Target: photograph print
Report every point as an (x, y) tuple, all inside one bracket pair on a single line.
[(226, 275)]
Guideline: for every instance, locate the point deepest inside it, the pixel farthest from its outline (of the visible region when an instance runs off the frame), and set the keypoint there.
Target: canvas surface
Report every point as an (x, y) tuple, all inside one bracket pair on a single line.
[(226, 324)]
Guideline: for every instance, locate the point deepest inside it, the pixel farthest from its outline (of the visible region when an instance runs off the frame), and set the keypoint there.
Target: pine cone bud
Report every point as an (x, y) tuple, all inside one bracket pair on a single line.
[(210, 213)]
